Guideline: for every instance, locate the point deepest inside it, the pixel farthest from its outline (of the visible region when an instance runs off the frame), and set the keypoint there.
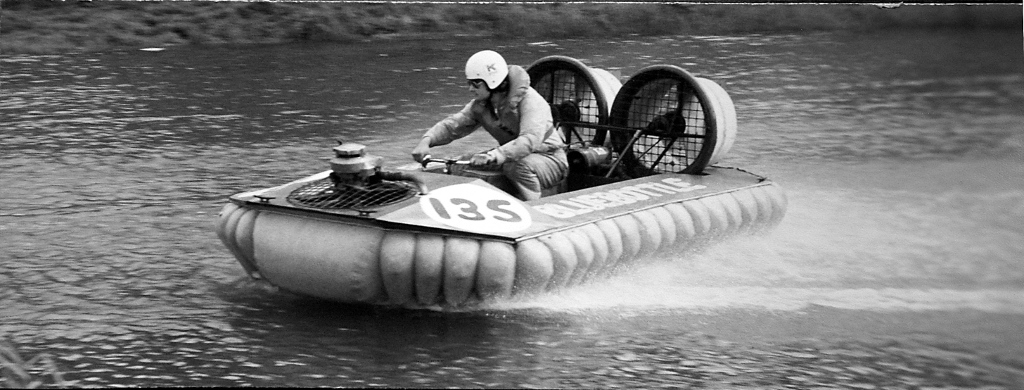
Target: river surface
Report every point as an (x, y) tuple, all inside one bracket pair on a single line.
[(900, 263)]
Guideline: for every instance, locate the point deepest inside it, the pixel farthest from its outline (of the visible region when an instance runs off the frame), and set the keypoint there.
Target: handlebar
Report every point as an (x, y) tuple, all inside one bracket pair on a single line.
[(448, 162)]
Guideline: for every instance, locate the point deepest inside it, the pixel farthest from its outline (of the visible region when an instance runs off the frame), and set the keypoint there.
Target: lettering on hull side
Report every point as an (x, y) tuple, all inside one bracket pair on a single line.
[(610, 199)]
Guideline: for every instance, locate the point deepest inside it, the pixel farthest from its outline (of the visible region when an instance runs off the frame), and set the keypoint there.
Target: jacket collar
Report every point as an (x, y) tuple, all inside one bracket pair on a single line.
[(518, 85)]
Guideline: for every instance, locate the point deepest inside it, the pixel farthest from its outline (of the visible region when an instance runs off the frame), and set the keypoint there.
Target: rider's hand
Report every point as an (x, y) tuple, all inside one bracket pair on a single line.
[(422, 149), (482, 159)]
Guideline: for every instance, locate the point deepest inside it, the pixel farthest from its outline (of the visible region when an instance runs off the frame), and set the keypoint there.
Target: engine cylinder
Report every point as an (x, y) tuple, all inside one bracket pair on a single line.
[(352, 165)]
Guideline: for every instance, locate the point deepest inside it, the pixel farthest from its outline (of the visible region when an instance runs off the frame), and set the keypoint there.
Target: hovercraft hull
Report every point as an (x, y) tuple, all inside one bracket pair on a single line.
[(473, 244)]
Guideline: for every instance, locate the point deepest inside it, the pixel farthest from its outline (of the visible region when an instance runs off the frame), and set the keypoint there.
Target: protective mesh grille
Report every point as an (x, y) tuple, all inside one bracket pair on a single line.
[(573, 99), (672, 119), (322, 194)]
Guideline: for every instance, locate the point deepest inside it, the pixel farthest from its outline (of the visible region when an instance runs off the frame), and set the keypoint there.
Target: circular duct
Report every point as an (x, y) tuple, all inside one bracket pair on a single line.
[(669, 121), (579, 96)]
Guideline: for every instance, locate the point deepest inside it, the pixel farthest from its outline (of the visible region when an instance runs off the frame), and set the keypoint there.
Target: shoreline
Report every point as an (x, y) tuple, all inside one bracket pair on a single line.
[(45, 27)]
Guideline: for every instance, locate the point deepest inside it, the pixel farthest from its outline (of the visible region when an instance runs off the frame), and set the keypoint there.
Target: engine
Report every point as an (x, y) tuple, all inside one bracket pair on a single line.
[(357, 183), (351, 166)]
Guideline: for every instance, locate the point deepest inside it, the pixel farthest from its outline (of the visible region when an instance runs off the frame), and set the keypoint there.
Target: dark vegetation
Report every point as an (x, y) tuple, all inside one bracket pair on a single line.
[(43, 26)]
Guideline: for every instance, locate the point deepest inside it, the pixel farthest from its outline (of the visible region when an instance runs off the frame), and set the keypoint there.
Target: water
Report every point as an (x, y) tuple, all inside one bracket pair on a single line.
[(898, 264)]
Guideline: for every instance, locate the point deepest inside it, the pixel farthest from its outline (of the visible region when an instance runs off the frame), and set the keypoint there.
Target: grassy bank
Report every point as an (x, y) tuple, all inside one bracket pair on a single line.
[(41, 26)]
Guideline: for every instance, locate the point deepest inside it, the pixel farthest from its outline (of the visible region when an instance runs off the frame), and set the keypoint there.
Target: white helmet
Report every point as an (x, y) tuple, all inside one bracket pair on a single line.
[(488, 66)]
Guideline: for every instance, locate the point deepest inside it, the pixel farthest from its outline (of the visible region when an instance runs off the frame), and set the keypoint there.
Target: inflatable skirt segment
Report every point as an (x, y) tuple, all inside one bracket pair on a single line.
[(353, 261)]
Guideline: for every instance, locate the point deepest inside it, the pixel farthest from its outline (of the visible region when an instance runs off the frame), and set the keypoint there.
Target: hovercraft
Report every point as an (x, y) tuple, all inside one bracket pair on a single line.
[(641, 183)]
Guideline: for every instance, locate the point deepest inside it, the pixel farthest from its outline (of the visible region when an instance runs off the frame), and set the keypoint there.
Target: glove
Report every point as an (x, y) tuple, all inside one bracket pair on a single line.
[(492, 157), (481, 159), (422, 150)]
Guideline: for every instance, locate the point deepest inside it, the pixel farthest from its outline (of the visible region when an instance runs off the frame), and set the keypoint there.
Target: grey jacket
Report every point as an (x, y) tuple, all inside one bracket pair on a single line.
[(520, 121)]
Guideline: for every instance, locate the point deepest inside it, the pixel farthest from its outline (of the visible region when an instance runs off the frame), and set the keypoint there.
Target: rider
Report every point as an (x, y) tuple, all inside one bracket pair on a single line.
[(530, 153)]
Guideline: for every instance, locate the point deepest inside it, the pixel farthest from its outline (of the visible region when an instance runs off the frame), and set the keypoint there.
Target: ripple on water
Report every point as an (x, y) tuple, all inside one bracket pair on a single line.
[(112, 180)]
